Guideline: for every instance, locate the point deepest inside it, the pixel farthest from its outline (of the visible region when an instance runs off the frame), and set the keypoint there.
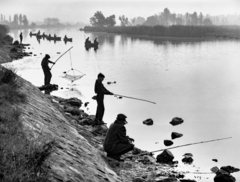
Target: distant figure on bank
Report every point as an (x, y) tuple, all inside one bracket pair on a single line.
[(21, 37), (117, 142), (46, 69), (100, 90)]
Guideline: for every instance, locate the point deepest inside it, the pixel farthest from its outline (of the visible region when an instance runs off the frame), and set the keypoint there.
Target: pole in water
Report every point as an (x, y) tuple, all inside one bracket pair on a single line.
[(135, 98), (62, 55)]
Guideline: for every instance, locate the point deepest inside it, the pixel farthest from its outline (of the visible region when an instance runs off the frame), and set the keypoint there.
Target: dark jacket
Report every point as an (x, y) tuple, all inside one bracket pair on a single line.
[(100, 89), (116, 134), (45, 62)]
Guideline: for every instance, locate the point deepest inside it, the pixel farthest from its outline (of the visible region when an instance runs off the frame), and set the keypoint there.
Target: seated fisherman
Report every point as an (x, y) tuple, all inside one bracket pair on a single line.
[(117, 142)]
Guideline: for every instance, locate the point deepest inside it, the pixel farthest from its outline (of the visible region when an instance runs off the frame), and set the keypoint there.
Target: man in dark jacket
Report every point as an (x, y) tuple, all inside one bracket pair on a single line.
[(117, 142), (100, 90), (46, 69)]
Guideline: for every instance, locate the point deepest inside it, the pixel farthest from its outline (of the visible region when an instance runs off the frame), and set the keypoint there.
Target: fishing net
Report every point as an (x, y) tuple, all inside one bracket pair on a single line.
[(71, 76)]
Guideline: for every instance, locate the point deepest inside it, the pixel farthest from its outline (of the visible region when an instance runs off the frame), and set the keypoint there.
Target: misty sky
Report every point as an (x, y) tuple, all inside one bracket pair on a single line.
[(83, 10)]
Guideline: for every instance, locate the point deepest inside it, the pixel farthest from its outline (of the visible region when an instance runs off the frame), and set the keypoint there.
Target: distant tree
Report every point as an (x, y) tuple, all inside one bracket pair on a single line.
[(138, 21), (151, 21), (110, 21), (173, 18), (98, 20), (10, 20), (25, 21), (15, 19), (200, 19), (1, 18), (124, 20), (207, 22), (20, 17), (194, 19), (166, 16), (179, 21)]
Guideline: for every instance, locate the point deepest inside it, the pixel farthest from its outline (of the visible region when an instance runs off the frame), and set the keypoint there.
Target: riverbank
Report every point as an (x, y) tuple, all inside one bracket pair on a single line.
[(173, 32)]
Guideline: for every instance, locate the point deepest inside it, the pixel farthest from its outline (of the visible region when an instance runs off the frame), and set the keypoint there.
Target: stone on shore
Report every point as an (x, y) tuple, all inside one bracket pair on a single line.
[(176, 135), (167, 142), (165, 157), (176, 121), (148, 122)]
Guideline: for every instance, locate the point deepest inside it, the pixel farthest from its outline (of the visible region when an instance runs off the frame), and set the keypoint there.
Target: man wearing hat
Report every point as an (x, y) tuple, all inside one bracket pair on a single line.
[(46, 69), (100, 90), (117, 142)]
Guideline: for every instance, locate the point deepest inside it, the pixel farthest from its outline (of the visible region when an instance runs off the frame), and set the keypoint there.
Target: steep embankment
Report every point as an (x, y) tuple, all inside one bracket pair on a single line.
[(74, 158)]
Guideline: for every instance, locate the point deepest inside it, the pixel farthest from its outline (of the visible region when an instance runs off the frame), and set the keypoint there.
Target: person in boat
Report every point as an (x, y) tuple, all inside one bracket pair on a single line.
[(95, 41), (39, 32), (55, 36), (87, 41), (21, 37), (100, 90), (46, 69), (116, 142)]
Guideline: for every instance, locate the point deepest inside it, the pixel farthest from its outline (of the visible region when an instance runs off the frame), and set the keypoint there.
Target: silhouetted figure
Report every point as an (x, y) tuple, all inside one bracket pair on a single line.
[(87, 41), (46, 69), (95, 41), (21, 37), (117, 142), (100, 90), (55, 36), (39, 32)]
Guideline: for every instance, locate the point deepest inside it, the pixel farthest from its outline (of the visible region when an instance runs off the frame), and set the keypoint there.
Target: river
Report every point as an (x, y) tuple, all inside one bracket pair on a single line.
[(198, 81)]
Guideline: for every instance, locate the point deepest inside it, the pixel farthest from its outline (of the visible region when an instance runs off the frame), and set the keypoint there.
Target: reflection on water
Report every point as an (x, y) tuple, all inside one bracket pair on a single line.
[(195, 80)]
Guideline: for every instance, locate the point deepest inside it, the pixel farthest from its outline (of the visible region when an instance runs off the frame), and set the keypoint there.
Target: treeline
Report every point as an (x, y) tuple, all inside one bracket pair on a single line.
[(165, 18), (15, 21), (172, 31)]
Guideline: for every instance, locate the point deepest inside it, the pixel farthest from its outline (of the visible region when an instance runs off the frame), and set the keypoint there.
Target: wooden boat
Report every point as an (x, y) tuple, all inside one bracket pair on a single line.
[(32, 34), (53, 38), (66, 39), (89, 45)]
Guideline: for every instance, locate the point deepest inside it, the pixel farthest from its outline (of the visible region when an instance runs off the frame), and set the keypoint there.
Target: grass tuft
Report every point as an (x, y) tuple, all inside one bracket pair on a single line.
[(21, 159)]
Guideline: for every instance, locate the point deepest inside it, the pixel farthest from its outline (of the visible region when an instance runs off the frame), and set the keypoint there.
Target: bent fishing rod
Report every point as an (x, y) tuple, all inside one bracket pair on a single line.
[(62, 55), (134, 98), (180, 146)]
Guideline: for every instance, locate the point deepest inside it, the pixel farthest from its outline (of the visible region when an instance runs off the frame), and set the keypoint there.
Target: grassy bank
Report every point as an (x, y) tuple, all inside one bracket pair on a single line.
[(20, 159), (173, 31)]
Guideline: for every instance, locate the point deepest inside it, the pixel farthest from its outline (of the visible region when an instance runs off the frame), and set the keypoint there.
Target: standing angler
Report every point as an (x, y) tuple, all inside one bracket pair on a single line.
[(46, 69), (21, 37), (100, 90)]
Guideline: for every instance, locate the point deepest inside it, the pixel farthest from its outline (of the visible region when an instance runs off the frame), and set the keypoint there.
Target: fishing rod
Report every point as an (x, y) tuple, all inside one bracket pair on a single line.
[(180, 146), (62, 55), (135, 98)]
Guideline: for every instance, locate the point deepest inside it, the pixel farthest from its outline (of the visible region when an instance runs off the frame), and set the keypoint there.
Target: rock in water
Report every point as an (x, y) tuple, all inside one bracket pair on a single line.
[(176, 135), (187, 160), (176, 121), (148, 122), (165, 157), (167, 142)]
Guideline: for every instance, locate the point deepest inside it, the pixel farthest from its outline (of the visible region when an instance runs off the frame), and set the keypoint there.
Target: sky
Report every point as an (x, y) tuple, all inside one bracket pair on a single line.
[(83, 10)]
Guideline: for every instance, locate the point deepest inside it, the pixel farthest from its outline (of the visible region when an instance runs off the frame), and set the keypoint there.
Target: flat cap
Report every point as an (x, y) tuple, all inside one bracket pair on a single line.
[(121, 116)]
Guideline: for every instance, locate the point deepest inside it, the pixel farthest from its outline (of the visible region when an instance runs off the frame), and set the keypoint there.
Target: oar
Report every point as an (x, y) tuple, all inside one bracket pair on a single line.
[(134, 98), (179, 146), (62, 55)]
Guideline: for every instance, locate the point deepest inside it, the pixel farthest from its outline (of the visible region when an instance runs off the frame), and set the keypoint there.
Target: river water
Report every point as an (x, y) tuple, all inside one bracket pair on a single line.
[(198, 81)]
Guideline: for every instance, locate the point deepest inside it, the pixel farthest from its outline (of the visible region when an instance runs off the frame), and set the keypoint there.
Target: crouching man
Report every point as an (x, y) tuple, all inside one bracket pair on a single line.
[(117, 142)]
